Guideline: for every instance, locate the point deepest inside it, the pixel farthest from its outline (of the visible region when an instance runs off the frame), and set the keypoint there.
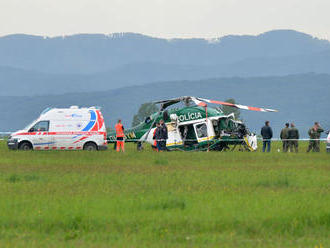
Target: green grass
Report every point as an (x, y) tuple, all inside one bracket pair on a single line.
[(175, 199)]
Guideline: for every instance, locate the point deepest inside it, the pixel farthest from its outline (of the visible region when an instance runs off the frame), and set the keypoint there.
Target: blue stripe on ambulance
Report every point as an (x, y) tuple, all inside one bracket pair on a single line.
[(90, 124), (47, 143)]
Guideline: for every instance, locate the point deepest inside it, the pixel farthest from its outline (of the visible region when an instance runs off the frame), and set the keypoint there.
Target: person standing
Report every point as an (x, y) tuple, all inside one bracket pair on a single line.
[(314, 134), (267, 135), (284, 137), (163, 135), (293, 138), (120, 136), (156, 137)]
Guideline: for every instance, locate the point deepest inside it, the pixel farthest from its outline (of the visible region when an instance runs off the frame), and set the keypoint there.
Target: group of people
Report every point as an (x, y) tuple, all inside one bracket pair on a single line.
[(290, 137), (160, 136)]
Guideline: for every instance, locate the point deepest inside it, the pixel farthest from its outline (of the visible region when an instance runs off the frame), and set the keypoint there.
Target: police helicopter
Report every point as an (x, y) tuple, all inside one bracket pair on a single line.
[(196, 126)]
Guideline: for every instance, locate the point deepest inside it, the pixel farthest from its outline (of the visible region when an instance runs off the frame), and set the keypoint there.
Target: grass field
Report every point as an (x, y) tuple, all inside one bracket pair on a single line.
[(175, 199)]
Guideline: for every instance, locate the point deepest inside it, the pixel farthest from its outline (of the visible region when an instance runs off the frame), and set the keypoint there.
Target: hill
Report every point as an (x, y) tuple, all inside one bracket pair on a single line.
[(91, 53), (299, 98), (18, 82), (35, 65)]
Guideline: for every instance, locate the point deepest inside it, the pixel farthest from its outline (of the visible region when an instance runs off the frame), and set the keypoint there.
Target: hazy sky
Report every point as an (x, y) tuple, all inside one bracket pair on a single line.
[(164, 18)]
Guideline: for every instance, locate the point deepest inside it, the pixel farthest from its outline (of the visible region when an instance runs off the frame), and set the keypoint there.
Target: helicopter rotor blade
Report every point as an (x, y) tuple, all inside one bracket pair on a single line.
[(174, 100), (198, 102), (203, 103), (168, 102), (239, 106)]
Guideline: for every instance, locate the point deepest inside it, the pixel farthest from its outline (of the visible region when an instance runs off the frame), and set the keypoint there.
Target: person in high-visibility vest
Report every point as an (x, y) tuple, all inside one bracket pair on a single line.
[(120, 136)]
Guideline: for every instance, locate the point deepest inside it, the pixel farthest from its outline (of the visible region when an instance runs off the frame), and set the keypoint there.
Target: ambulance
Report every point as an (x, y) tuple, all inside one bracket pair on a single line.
[(71, 128)]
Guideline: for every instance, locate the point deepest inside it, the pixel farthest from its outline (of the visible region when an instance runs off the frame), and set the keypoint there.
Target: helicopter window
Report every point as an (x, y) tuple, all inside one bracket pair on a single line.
[(147, 120), (216, 126), (165, 115), (188, 135), (223, 123), (201, 130)]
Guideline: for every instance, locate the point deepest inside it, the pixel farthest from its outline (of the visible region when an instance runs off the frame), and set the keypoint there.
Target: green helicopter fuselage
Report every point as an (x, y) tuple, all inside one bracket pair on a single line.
[(192, 128)]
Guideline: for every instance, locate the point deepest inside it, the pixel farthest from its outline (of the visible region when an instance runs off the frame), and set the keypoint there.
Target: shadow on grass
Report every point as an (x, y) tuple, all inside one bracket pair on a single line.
[(161, 161), (168, 204), (281, 182), (14, 178)]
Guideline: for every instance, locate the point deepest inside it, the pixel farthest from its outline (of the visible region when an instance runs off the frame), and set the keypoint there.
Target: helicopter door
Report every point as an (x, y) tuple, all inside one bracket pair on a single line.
[(201, 131), (174, 137)]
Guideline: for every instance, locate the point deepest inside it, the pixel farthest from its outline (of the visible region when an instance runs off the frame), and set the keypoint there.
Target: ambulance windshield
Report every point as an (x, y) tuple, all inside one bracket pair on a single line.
[(28, 126)]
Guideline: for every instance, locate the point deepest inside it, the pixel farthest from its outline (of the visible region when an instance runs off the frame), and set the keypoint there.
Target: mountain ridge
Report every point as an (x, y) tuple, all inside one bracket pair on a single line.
[(300, 98), (20, 82), (94, 53)]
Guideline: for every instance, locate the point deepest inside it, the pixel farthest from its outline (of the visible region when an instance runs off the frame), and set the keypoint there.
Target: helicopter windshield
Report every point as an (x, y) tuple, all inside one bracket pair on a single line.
[(226, 124), (147, 120)]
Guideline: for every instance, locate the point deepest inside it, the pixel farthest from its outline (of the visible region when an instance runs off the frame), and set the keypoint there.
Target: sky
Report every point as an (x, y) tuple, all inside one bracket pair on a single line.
[(164, 18)]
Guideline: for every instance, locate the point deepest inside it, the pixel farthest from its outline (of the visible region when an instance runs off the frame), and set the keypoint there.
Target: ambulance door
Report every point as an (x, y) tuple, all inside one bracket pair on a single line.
[(59, 132), (65, 134), (40, 138)]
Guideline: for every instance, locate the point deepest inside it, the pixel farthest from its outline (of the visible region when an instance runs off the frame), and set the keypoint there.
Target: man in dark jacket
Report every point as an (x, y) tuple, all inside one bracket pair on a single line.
[(267, 135), (293, 138), (156, 137), (163, 135), (284, 137)]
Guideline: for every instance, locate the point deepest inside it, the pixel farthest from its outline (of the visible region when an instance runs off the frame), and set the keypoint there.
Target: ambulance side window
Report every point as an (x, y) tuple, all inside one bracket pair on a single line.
[(41, 126)]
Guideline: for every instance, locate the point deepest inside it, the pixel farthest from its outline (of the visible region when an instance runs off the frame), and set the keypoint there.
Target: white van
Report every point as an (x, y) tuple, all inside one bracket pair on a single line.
[(63, 129)]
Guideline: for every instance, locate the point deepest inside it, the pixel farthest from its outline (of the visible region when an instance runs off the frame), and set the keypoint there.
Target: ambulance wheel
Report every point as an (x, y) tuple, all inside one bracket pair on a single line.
[(90, 146), (25, 146)]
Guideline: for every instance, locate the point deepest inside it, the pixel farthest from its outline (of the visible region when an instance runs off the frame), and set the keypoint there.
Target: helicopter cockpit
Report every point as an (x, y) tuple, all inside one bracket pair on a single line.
[(229, 127)]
